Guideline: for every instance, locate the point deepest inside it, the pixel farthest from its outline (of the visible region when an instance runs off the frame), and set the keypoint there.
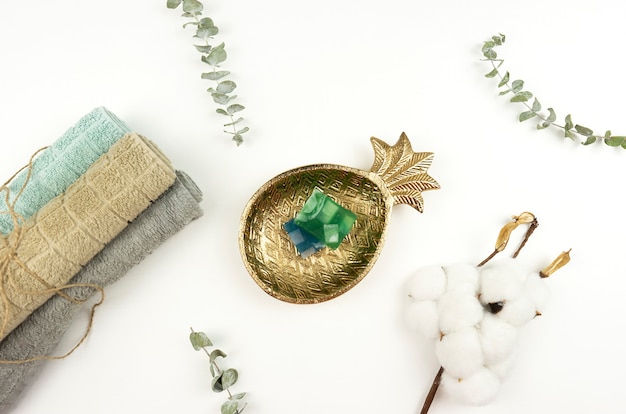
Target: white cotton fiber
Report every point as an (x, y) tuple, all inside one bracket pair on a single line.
[(518, 311), (501, 281), (477, 389), (427, 283), (459, 309), (536, 289), (475, 343), (462, 276), (460, 353), (423, 316), (503, 368), (498, 339)]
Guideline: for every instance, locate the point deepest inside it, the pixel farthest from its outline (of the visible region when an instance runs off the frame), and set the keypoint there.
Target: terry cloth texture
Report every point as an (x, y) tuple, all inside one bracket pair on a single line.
[(73, 227), (40, 333), (59, 165)]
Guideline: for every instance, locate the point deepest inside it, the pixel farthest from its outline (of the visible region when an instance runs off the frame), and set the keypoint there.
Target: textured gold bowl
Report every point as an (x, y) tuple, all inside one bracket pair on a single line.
[(273, 261)]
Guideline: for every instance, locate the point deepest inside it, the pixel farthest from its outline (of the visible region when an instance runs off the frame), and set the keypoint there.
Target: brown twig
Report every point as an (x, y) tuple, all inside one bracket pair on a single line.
[(533, 225), (431, 393)]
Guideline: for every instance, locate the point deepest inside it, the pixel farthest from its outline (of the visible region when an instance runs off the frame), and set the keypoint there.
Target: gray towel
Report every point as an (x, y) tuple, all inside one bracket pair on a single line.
[(41, 332)]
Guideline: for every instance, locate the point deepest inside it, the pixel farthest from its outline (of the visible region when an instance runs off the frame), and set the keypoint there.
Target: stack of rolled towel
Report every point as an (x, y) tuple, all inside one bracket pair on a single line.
[(85, 210)]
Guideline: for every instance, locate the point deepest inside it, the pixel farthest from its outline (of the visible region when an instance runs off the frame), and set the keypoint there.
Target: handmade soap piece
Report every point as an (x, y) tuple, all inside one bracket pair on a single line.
[(59, 165), (306, 244), (325, 219), (60, 238), (40, 333)]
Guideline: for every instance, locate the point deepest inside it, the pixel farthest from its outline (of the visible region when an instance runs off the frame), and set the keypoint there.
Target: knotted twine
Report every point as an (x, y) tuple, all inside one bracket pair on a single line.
[(119, 185), (8, 247)]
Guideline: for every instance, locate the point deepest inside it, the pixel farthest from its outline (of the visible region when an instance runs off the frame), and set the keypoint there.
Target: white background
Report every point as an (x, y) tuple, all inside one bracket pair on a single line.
[(318, 79)]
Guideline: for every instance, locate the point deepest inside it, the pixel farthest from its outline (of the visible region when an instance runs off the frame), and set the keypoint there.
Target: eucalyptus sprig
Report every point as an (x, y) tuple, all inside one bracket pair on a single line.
[(516, 89), (214, 55), (222, 379)]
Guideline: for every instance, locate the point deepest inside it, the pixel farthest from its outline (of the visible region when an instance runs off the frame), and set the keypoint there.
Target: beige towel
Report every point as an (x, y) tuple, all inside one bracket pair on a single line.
[(68, 231)]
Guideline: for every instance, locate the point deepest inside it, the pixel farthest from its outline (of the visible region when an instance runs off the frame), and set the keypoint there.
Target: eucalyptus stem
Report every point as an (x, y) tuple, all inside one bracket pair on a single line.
[(222, 379), (570, 130), (214, 55)]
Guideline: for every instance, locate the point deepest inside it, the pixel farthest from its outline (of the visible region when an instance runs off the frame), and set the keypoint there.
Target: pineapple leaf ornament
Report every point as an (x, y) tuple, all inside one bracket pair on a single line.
[(271, 254), (473, 315)]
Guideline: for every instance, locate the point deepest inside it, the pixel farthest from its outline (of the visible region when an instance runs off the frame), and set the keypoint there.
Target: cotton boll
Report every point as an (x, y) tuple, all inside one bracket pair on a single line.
[(459, 309), (460, 353), (462, 276), (427, 283), (518, 311), (423, 316), (501, 281), (537, 291), (503, 368), (498, 338), (478, 389)]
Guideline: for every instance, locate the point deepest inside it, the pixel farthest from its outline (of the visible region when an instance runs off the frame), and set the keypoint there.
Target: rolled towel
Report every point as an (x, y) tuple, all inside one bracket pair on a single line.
[(59, 165), (40, 333), (72, 228)]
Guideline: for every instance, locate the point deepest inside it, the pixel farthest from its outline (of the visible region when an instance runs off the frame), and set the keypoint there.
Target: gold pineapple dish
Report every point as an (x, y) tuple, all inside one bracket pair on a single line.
[(397, 176)]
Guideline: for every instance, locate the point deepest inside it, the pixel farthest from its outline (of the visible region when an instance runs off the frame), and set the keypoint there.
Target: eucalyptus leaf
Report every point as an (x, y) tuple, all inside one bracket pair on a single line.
[(552, 116), (490, 54), (206, 28), (192, 6), (203, 48), (172, 4), (238, 396), (217, 55), (517, 85), (615, 141), (543, 125), (524, 116), (238, 139), (568, 123), (504, 79), (229, 377), (590, 140), (216, 353), (536, 105), (199, 340), (226, 86), (583, 130), (215, 75), (243, 130), (522, 96), (217, 383), (220, 98), (222, 111), (492, 74), (234, 108), (229, 407)]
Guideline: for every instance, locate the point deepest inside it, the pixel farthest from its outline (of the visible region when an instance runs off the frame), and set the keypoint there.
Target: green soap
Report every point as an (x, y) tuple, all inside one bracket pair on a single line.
[(325, 219)]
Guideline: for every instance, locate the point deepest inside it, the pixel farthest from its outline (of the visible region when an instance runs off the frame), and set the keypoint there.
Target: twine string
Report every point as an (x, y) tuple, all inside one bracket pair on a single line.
[(9, 245)]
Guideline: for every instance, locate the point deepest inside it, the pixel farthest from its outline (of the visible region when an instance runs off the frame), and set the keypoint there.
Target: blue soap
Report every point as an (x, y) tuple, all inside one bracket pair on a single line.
[(306, 244)]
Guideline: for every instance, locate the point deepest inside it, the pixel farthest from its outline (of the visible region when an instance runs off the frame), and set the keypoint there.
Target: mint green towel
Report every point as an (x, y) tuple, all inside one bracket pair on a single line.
[(58, 166)]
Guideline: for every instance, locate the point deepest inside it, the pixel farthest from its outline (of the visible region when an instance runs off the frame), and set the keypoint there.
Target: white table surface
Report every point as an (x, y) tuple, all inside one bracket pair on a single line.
[(318, 79)]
